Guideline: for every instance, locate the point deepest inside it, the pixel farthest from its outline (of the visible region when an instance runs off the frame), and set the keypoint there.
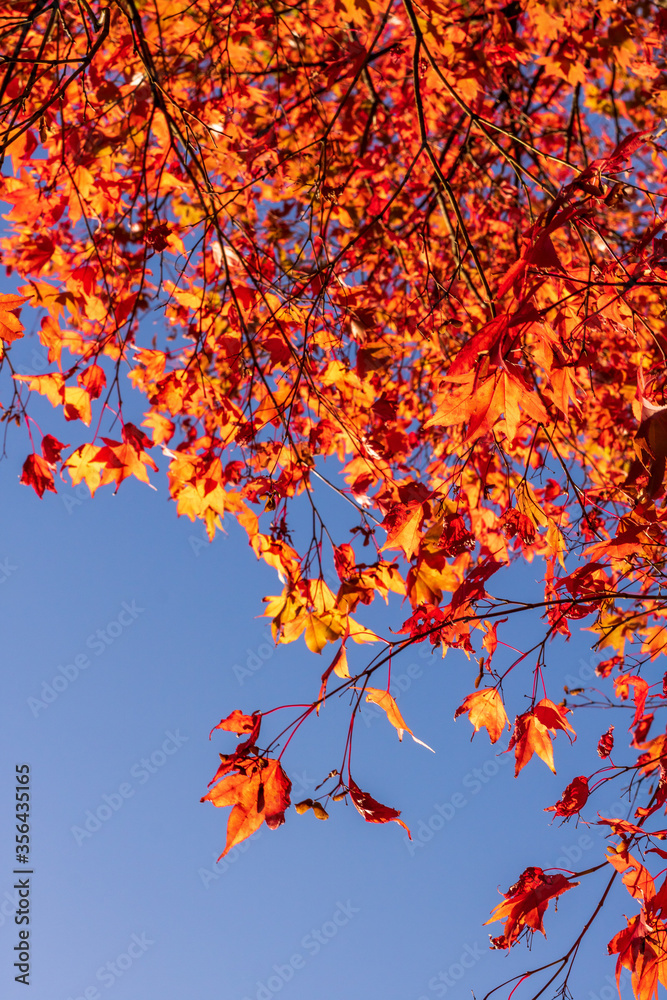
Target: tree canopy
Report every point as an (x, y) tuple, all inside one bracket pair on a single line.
[(409, 253)]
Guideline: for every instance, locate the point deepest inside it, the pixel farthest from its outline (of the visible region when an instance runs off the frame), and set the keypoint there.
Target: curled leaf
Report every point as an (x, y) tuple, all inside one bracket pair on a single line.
[(387, 703), (372, 811), (606, 743), (573, 799)]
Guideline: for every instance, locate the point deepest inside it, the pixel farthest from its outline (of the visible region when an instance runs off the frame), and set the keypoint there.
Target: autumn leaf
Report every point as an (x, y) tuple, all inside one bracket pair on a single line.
[(259, 795), (485, 708), (84, 466), (380, 306), (623, 827), (120, 460), (532, 733), (337, 665), (641, 948), (387, 703), (525, 904), (51, 449), (372, 811), (639, 687), (606, 743), (93, 380), (11, 328), (36, 473), (573, 799), (237, 722), (636, 878)]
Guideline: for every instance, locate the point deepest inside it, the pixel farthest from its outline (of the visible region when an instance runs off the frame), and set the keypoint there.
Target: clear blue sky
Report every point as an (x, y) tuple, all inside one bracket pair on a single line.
[(121, 635)]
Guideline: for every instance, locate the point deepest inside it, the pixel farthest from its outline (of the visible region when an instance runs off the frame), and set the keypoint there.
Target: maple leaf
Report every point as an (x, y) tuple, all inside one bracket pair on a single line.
[(51, 449), (36, 473), (641, 948), (573, 799), (402, 524), (388, 705), (485, 708), (636, 878), (372, 811), (260, 794), (531, 733), (158, 236), (93, 380), (421, 624), (11, 328), (237, 722), (120, 460), (525, 904), (83, 465)]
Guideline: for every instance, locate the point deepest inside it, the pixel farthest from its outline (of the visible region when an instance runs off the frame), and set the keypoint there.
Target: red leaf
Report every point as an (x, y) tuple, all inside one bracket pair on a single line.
[(372, 811), (606, 743), (573, 799), (36, 473), (525, 904), (51, 449), (622, 687)]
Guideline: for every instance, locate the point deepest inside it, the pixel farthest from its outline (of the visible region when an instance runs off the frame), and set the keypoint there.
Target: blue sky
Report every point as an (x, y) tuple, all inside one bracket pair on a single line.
[(127, 900)]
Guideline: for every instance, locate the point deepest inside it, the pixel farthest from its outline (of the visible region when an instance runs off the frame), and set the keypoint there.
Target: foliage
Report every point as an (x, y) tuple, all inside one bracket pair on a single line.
[(422, 240)]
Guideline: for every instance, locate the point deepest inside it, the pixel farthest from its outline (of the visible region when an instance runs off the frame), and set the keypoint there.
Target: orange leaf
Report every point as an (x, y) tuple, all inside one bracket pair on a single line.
[(387, 703), (485, 708), (51, 448), (636, 879), (639, 686), (641, 949), (11, 327), (531, 734), (525, 904), (51, 386), (82, 464), (237, 722), (337, 665), (76, 404), (122, 460), (259, 795)]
